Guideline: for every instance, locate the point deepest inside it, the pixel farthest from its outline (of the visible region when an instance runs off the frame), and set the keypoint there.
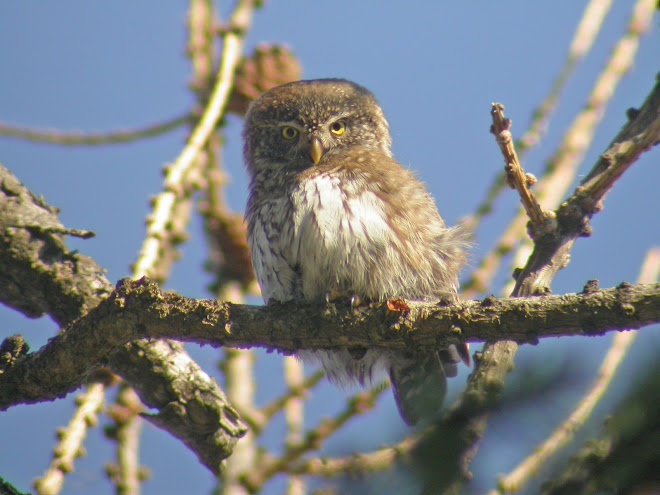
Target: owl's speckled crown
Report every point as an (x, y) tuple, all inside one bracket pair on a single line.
[(316, 92)]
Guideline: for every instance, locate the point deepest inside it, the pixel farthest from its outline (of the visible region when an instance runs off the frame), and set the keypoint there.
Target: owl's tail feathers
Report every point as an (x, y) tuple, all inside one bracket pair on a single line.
[(454, 354), (419, 384)]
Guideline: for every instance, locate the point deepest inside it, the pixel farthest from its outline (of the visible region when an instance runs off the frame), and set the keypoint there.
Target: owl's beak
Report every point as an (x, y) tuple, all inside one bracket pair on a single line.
[(317, 150)]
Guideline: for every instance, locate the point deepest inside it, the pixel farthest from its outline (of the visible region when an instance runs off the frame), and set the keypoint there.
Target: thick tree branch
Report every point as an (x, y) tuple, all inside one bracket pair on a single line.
[(139, 309), (39, 275)]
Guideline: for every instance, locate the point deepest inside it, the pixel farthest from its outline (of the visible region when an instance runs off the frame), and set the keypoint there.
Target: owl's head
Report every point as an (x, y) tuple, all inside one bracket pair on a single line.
[(297, 125)]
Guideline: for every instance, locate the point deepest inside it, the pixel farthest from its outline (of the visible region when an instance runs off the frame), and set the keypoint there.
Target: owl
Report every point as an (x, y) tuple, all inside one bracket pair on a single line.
[(330, 214)]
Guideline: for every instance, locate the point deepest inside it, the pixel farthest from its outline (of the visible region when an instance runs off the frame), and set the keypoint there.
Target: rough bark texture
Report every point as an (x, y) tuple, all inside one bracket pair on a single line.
[(39, 276), (139, 309)]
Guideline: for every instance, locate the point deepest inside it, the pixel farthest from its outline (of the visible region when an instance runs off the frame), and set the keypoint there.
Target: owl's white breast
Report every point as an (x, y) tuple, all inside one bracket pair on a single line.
[(337, 235)]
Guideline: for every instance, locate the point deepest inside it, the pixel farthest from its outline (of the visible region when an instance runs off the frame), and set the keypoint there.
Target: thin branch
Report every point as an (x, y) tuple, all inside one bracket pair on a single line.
[(357, 463), (126, 474), (70, 440), (293, 392), (638, 135), (238, 368), (621, 342), (294, 418), (623, 458), (515, 175), (176, 174), (54, 136), (258, 418), (314, 438), (585, 34)]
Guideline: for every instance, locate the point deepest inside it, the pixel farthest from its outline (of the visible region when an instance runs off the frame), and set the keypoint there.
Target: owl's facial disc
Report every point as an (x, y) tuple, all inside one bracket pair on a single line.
[(299, 125)]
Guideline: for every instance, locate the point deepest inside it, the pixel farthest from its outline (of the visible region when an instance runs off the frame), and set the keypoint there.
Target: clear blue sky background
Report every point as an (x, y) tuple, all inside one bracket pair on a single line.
[(434, 66)]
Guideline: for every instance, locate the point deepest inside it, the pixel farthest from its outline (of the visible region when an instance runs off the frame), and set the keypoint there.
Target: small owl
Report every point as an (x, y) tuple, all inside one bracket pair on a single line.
[(330, 213)]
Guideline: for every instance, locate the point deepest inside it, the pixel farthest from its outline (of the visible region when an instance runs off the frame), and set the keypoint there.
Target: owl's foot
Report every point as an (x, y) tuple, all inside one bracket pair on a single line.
[(356, 301), (333, 296)]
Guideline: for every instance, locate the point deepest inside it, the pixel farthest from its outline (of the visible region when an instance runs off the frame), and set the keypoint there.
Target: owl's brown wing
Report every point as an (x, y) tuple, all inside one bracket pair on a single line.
[(398, 237), (414, 257)]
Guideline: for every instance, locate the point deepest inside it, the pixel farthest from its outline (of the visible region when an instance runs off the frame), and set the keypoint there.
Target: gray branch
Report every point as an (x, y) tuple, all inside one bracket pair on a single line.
[(139, 309), (39, 276)]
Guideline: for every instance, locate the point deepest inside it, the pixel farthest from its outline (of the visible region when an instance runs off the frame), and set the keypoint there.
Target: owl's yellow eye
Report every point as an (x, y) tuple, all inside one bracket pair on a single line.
[(338, 128), (289, 132)]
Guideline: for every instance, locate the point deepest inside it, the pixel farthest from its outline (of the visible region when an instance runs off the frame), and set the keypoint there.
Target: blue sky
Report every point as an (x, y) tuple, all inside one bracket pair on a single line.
[(435, 68)]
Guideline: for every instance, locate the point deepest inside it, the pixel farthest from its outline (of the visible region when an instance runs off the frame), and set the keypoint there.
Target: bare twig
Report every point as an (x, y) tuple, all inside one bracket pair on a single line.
[(356, 463), (238, 368), (515, 175), (126, 474), (54, 136), (177, 174), (257, 419), (70, 440), (624, 456), (575, 142), (621, 342), (551, 253), (294, 418), (358, 404), (585, 34), (269, 410)]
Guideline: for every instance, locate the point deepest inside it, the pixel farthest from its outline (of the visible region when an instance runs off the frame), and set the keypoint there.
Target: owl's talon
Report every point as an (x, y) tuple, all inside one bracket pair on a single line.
[(355, 301), (333, 295)]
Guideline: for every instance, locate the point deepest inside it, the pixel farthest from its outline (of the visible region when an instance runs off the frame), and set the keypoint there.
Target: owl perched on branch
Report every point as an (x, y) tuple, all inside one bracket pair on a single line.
[(330, 213)]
